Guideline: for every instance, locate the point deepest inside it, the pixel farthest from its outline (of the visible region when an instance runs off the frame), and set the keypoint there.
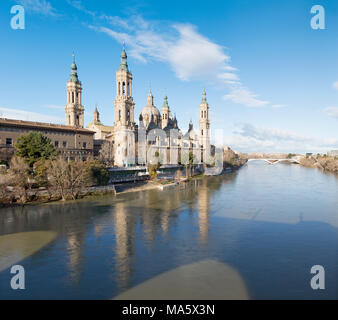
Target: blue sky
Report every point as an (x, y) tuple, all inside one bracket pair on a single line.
[(271, 80)]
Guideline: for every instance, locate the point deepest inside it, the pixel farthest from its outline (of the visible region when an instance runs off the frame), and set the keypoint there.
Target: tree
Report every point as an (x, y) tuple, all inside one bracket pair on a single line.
[(106, 154), (97, 173), (152, 168), (20, 178), (188, 159), (33, 147), (67, 177), (5, 181)]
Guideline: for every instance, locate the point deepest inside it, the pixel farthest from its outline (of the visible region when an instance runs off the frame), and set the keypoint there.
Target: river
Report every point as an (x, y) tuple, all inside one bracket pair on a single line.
[(251, 234)]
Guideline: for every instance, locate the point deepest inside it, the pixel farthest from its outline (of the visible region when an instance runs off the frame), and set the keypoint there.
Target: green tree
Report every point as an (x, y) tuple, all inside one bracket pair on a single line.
[(33, 147), (98, 173)]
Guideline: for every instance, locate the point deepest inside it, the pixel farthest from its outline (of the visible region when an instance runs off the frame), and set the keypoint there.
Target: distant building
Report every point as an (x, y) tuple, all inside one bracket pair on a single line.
[(333, 153)]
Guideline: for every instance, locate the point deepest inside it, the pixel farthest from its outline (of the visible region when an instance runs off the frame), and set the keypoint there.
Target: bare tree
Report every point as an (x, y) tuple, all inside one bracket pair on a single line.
[(20, 178), (68, 178), (106, 154)]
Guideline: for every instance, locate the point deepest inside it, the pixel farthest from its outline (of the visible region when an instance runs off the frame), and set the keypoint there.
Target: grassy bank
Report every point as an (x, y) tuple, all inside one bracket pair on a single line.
[(323, 162)]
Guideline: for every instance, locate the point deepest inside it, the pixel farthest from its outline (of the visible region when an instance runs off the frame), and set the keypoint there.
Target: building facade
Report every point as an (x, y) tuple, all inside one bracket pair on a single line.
[(157, 132), (130, 143), (71, 140)]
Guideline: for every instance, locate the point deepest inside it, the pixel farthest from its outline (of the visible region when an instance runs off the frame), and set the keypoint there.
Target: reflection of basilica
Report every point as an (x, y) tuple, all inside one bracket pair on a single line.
[(203, 211), (156, 212), (75, 248), (124, 233)]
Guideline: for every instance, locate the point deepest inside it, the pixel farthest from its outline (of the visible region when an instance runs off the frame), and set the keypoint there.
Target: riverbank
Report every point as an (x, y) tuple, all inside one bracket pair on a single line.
[(43, 195), (325, 163)]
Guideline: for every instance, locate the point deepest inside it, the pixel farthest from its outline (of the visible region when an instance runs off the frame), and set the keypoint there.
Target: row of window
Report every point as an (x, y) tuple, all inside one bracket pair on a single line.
[(64, 144), (7, 129), (71, 97), (122, 89)]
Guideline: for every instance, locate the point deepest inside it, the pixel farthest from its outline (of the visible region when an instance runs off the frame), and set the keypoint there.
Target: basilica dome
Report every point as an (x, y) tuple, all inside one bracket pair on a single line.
[(150, 113)]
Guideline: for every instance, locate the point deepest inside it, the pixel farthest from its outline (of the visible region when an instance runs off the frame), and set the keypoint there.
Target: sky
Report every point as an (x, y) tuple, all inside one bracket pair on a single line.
[(271, 79)]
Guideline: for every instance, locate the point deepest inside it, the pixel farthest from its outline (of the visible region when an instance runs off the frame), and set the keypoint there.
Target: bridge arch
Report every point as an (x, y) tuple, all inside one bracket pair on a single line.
[(274, 161)]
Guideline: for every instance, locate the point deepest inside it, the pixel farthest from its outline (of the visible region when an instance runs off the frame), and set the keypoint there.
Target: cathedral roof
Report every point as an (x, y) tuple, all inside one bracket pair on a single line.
[(150, 110), (191, 134)]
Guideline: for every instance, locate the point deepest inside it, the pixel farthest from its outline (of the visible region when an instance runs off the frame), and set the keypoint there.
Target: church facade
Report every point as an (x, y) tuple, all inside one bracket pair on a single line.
[(155, 138), (156, 134)]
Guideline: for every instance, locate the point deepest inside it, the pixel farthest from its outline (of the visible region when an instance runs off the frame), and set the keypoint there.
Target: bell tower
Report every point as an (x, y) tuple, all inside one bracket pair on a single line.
[(204, 126), (74, 110), (124, 103), (124, 124), (165, 112)]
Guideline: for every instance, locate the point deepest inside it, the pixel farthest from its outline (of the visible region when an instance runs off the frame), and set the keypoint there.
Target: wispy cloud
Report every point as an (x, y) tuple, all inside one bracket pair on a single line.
[(28, 116), (38, 6), (191, 55), (335, 85), (249, 138), (332, 112), (242, 95)]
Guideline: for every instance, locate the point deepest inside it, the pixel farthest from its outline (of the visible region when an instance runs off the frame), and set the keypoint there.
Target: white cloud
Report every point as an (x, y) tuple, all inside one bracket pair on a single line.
[(335, 85), (244, 96), (190, 54), (248, 138), (38, 6), (332, 112), (18, 114)]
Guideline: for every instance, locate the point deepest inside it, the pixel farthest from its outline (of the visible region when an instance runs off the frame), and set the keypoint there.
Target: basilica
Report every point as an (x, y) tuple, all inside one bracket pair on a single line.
[(157, 130)]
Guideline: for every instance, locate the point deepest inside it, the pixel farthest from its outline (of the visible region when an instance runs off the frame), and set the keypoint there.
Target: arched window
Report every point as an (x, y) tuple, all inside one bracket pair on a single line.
[(119, 115), (124, 89), (202, 132), (201, 114), (128, 89), (72, 97)]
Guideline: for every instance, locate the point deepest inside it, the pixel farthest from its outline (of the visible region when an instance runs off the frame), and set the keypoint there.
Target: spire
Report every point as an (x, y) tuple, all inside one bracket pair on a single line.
[(150, 98), (204, 96), (124, 64), (96, 115), (73, 73), (165, 102), (191, 126)]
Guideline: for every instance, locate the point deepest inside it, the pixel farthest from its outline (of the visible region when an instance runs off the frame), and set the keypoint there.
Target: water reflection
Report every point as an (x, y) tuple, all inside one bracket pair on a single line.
[(203, 211), (261, 222), (124, 233)]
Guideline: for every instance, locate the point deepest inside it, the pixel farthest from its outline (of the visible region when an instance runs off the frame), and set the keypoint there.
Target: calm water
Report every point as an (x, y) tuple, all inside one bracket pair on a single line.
[(268, 223)]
